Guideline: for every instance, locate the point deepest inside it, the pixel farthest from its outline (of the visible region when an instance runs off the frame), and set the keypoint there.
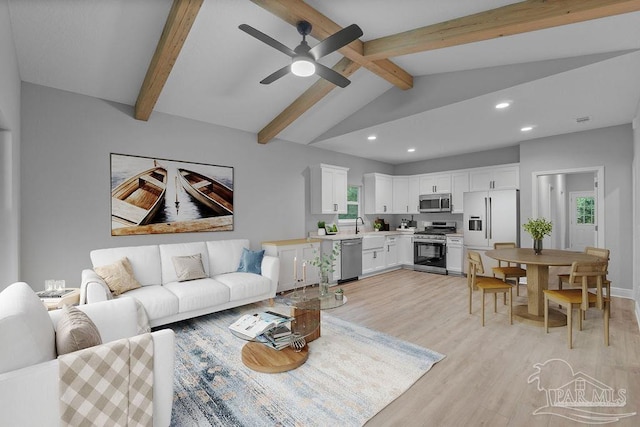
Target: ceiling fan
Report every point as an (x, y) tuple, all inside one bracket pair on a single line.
[(304, 58)]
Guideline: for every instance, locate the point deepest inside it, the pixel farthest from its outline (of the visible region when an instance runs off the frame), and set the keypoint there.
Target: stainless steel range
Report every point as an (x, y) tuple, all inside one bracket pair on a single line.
[(430, 246)]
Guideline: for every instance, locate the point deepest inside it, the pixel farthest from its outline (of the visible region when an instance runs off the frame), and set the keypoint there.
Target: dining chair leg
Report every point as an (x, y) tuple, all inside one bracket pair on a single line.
[(581, 318), (510, 306), (495, 303), (606, 315), (569, 323), (546, 314), (483, 307)]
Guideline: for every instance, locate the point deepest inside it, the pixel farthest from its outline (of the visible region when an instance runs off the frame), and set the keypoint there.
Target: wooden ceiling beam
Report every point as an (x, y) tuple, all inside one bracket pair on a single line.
[(293, 11), (517, 18), (308, 99), (179, 21)]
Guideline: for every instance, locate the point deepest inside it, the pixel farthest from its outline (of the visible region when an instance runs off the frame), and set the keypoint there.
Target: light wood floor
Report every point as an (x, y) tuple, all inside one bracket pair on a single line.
[(483, 379)]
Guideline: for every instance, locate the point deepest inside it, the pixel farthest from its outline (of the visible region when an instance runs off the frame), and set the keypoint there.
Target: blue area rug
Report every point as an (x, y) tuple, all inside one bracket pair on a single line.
[(351, 374)]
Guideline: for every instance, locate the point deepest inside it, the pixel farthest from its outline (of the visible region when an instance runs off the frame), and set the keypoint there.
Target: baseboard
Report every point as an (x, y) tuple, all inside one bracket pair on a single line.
[(638, 313), (622, 293)]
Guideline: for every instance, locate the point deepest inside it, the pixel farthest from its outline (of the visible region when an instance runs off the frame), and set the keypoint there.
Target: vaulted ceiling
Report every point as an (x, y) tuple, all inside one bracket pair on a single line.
[(425, 75)]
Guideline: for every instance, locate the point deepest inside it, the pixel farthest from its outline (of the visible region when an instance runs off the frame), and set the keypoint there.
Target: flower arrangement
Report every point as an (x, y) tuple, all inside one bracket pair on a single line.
[(538, 228), (326, 262)]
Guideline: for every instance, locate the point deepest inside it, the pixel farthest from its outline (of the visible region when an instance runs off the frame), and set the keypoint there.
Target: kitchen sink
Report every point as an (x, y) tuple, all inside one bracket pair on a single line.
[(372, 241)]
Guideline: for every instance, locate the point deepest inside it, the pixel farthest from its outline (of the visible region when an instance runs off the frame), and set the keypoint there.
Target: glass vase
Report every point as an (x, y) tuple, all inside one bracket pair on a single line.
[(537, 246), (323, 287)]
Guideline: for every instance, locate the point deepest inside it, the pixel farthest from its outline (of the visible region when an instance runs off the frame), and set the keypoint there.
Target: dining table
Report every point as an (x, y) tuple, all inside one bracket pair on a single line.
[(537, 266)]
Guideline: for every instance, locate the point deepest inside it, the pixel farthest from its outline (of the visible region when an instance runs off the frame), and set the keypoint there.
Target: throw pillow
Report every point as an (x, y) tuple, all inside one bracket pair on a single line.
[(251, 261), (188, 267), (118, 276), (75, 331)]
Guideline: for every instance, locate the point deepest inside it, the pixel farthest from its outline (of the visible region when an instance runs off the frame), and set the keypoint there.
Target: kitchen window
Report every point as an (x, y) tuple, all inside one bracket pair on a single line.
[(353, 206)]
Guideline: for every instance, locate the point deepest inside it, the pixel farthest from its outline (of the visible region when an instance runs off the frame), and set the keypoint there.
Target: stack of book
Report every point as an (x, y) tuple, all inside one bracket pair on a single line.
[(269, 328)]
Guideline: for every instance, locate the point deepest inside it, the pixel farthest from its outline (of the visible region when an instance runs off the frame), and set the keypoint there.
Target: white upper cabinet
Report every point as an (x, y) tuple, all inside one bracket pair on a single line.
[(328, 189), (459, 185), (414, 194), (400, 194), (494, 178), (435, 183), (378, 193)]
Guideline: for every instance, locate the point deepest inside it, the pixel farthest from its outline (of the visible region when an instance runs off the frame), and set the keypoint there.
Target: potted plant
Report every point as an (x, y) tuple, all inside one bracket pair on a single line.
[(339, 294), (377, 226), (321, 229), (538, 228), (326, 263)]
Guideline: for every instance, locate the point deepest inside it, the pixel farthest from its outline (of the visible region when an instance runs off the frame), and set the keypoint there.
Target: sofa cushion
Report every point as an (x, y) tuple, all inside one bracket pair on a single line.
[(224, 255), (167, 252), (198, 294), (188, 267), (27, 333), (145, 261), (118, 276), (157, 301), (250, 261), (244, 285), (75, 331)]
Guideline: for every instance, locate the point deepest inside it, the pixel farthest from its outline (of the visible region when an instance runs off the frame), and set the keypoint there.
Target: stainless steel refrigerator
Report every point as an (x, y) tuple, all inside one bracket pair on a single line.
[(489, 217)]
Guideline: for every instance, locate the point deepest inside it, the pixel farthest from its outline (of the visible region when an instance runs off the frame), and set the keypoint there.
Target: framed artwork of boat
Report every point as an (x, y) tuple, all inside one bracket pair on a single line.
[(152, 196)]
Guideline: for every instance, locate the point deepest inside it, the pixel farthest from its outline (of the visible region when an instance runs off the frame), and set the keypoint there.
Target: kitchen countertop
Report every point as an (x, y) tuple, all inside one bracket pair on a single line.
[(345, 236), (292, 242)]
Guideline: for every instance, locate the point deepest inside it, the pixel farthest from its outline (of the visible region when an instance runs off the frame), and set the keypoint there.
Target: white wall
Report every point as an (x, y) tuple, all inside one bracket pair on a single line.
[(636, 211), (609, 147), (9, 152), (66, 143)]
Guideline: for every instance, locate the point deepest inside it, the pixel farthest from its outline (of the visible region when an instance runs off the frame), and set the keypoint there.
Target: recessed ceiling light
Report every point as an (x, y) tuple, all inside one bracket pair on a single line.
[(502, 105), (372, 137), (411, 150), (526, 128)]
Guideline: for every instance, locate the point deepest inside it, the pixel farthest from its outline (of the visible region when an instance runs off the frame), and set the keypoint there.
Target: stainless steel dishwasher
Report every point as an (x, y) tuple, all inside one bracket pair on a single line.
[(350, 259)]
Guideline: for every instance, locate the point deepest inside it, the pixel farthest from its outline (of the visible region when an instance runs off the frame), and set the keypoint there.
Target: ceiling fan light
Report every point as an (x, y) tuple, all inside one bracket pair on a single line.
[(303, 67)]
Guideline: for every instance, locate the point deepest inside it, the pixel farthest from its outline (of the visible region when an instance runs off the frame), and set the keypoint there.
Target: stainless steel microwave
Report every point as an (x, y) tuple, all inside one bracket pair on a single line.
[(435, 202)]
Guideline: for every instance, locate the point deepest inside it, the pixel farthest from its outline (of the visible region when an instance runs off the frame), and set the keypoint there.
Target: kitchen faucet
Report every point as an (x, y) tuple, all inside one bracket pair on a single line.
[(359, 218)]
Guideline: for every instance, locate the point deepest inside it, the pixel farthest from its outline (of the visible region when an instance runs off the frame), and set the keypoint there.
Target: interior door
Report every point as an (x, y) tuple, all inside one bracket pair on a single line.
[(582, 230)]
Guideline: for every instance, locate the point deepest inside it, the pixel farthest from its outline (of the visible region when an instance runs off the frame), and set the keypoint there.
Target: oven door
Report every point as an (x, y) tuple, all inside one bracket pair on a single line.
[(430, 253)]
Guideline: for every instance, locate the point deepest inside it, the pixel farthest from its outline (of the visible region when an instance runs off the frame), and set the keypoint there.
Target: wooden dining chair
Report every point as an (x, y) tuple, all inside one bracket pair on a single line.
[(490, 285), (509, 270), (583, 273), (602, 253)]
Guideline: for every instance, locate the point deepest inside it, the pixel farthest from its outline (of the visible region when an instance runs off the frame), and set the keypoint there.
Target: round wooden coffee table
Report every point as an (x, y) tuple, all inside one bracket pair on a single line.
[(261, 358)]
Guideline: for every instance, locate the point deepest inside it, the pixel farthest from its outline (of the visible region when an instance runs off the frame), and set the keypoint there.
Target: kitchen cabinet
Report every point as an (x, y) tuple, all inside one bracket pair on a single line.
[(459, 185), (494, 178), (435, 183), (391, 255), (400, 194), (294, 253), (414, 194), (454, 254), (378, 193), (405, 249), (328, 189), (373, 254)]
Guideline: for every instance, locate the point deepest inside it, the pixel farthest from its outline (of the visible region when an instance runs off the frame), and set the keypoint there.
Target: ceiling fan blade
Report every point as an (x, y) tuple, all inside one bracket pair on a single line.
[(332, 76), (336, 41), (276, 75), (267, 39)]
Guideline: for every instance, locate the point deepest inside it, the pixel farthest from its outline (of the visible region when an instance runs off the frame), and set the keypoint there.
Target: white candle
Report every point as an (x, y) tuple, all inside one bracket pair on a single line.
[(304, 272), (295, 269)]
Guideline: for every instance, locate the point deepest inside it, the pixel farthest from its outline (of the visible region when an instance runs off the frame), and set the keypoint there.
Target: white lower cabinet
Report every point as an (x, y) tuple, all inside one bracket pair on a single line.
[(293, 253), (405, 249), (391, 255), (454, 254), (373, 260)]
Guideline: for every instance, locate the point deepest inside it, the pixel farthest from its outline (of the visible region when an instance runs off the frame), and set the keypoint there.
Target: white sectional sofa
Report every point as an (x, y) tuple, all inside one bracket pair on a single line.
[(29, 368), (167, 300)]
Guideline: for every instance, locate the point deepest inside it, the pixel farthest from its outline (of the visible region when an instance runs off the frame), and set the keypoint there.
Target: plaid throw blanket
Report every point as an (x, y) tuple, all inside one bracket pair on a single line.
[(108, 385)]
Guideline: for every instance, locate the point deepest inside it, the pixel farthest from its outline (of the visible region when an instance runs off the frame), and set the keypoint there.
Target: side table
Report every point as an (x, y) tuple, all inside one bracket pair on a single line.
[(71, 298)]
